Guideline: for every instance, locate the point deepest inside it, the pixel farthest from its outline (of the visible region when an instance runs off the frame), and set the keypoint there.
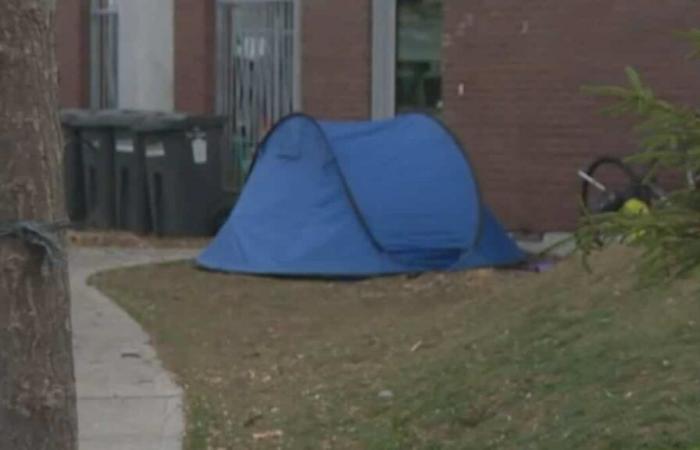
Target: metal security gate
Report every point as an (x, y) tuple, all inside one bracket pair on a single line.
[(104, 54), (257, 71)]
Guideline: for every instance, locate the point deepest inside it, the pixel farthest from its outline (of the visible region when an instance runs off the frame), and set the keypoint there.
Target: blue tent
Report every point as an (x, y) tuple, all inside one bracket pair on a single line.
[(359, 199)]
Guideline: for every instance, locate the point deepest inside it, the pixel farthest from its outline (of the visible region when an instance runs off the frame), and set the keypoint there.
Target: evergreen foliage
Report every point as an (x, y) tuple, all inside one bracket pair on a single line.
[(669, 135)]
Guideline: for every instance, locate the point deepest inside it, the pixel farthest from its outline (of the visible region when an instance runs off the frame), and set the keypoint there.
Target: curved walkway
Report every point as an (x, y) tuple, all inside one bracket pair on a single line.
[(126, 400)]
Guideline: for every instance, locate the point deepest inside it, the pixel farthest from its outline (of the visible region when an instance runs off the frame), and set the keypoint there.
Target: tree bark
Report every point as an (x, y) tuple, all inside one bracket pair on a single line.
[(37, 384)]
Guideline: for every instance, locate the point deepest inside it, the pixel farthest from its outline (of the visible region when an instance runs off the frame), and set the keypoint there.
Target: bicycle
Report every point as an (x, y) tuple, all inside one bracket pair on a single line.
[(622, 184)]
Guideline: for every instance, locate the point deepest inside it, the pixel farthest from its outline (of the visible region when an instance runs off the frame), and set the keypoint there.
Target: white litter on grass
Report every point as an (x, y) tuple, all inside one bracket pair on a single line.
[(386, 394)]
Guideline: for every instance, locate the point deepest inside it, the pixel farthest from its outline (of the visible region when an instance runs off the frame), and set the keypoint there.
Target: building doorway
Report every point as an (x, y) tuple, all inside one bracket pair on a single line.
[(257, 71)]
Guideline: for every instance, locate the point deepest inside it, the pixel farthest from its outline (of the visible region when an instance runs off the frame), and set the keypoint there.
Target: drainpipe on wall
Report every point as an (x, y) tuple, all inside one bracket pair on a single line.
[(383, 58)]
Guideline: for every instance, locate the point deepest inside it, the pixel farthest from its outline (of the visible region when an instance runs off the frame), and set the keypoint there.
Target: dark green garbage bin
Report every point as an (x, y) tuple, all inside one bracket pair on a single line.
[(184, 171), (132, 210), (115, 196), (74, 185)]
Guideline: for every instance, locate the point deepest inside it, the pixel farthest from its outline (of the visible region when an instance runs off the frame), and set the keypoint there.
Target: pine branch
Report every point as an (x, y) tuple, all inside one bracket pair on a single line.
[(669, 135)]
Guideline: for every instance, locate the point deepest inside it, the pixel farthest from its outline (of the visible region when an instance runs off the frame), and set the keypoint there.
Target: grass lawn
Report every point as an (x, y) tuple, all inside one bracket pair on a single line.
[(478, 360)]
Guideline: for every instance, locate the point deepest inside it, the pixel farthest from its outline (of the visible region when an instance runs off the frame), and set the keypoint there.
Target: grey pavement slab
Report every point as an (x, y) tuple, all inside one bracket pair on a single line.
[(126, 400)]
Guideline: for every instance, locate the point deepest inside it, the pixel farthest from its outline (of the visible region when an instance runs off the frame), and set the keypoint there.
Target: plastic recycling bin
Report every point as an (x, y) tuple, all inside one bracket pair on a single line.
[(115, 192), (74, 186), (131, 190), (184, 172)]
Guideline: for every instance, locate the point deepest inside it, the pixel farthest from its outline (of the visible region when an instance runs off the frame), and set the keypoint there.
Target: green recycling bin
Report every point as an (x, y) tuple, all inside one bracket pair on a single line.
[(105, 141), (184, 171), (74, 186)]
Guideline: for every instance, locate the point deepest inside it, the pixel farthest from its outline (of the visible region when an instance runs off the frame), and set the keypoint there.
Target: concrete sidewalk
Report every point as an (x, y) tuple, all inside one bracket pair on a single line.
[(126, 400)]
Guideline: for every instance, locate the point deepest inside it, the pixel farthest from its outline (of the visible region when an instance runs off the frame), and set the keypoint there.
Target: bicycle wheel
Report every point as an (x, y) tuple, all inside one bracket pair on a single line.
[(617, 183)]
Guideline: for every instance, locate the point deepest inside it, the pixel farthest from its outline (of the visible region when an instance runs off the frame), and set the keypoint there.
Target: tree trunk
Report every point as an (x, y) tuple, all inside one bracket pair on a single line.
[(37, 384)]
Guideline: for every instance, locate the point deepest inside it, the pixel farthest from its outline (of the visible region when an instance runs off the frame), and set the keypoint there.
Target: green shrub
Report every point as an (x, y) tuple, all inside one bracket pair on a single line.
[(669, 136)]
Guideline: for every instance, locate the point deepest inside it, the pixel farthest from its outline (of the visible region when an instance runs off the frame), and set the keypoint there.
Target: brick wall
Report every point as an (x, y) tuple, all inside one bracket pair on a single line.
[(521, 64), (195, 34), (336, 58), (522, 116), (72, 42)]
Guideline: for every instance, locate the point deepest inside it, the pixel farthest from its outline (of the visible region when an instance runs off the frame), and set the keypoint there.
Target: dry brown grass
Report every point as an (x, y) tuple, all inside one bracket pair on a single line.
[(474, 360)]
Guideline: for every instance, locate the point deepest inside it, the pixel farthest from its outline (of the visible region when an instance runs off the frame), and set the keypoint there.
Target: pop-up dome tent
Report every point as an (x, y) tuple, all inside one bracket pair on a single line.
[(359, 199)]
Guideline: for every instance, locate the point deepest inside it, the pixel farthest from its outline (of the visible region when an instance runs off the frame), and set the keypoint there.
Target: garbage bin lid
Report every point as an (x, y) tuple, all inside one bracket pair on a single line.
[(177, 122), (104, 118), (72, 116)]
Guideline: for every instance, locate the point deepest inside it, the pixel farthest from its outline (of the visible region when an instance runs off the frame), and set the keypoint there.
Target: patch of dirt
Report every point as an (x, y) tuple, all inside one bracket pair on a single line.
[(113, 238), (261, 354)]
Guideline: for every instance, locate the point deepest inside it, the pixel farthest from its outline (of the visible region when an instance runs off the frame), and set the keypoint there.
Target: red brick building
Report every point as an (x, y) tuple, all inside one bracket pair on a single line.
[(511, 73)]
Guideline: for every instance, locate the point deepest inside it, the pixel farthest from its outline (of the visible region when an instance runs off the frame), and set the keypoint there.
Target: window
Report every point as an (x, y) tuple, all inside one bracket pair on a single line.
[(419, 26)]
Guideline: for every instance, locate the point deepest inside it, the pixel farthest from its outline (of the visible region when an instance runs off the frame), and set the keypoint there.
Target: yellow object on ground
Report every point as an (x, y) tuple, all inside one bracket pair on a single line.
[(635, 206)]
